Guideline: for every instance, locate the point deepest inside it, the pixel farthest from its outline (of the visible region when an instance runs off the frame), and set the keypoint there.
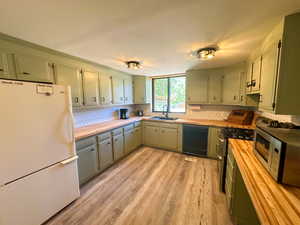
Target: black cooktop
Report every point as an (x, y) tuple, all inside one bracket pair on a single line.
[(236, 133)]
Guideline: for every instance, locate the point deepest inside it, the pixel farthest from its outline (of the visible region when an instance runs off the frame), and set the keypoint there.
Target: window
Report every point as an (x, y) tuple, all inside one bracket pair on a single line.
[(169, 94)]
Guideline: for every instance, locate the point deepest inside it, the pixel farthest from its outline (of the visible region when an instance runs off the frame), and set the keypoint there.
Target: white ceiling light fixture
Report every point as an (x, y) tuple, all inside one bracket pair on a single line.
[(206, 53), (133, 65)]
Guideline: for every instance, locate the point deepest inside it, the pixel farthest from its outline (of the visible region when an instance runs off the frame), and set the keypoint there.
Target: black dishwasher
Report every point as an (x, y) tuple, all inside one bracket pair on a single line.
[(195, 140)]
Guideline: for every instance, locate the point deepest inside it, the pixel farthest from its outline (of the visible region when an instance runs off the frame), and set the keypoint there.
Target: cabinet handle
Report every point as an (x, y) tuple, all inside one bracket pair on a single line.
[(76, 99), (95, 99), (248, 84), (25, 73), (242, 98), (163, 131), (103, 99), (253, 83), (92, 150), (234, 97), (1, 70), (108, 143)]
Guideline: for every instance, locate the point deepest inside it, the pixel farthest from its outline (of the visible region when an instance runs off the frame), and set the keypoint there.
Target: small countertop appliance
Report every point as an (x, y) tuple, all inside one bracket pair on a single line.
[(124, 114)]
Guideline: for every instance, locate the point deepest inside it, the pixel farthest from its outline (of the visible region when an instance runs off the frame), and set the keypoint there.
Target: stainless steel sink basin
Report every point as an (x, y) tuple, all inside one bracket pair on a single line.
[(163, 118)]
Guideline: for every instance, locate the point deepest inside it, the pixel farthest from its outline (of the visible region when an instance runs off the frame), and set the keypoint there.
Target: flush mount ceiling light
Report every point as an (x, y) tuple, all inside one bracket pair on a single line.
[(133, 65), (206, 53)]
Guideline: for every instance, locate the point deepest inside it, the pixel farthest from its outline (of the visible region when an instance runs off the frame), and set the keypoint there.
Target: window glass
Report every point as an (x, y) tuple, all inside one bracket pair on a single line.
[(160, 94)]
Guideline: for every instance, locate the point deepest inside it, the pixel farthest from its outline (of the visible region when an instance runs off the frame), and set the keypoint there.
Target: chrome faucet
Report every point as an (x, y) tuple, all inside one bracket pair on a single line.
[(165, 112)]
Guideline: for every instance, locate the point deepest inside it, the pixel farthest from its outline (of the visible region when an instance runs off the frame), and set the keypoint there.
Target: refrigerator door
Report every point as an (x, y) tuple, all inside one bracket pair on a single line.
[(36, 128), (35, 198)]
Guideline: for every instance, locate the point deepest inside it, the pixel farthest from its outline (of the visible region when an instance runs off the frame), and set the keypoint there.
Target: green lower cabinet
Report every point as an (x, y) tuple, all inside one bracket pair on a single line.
[(137, 137), (105, 154), (168, 138), (151, 136), (88, 163), (213, 142), (240, 205), (118, 146), (129, 141)]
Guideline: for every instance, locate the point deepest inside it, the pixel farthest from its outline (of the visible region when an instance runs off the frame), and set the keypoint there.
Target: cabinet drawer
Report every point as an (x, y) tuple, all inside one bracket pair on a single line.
[(128, 127), (137, 124), (153, 124), (104, 136), (169, 125), (117, 131), (85, 143)]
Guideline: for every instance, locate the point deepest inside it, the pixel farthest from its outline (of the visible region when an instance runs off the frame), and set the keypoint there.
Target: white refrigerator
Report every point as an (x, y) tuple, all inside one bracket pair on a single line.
[(38, 161)]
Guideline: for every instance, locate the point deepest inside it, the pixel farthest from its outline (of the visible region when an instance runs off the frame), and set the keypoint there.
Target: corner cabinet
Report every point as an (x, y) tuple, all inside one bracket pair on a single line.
[(70, 76), (197, 87), (33, 68), (142, 87), (231, 87), (91, 88)]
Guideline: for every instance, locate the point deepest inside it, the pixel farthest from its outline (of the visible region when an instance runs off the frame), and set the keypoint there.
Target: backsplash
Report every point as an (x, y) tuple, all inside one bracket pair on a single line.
[(206, 112), (84, 117)]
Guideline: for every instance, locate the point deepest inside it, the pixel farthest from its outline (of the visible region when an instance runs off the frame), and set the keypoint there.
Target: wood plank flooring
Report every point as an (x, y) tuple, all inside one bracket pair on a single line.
[(151, 187)]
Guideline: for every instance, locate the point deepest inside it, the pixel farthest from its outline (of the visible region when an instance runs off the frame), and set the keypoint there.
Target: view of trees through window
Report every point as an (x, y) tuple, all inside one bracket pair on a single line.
[(169, 93)]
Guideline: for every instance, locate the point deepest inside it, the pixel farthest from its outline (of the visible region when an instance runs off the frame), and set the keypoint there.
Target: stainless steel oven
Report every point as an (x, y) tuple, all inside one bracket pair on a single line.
[(279, 152), (221, 155)]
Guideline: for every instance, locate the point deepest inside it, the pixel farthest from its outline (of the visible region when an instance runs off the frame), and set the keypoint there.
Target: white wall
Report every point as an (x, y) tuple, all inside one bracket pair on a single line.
[(84, 117)]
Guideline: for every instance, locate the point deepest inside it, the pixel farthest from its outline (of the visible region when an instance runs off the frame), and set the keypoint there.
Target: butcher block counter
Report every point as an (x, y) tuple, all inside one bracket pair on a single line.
[(90, 130), (274, 203)]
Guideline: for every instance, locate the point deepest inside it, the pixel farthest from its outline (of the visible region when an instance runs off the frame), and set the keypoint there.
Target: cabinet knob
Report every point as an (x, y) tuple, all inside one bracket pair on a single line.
[(92, 150), (1, 70), (253, 83), (108, 143), (25, 73), (94, 99), (76, 99)]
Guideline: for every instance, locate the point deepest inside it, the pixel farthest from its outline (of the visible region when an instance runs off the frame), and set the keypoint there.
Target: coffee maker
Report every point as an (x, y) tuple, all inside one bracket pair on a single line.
[(124, 114)]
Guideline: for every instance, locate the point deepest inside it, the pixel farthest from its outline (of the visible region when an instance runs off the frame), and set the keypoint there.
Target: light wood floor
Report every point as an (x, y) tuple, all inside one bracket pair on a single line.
[(151, 187)]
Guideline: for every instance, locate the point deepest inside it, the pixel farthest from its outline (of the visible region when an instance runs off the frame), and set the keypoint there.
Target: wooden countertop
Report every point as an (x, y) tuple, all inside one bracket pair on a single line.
[(274, 203), (90, 130)]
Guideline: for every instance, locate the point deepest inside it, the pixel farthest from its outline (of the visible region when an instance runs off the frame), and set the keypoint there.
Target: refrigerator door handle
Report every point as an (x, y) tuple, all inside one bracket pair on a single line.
[(67, 161)]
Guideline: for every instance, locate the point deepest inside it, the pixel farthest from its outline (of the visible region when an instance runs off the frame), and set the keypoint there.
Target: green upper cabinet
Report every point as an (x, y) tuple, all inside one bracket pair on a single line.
[(215, 87), (231, 87), (33, 68), (280, 68), (268, 81), (197, 87), (118, 90), (91, 88), (128, 89), (248, 85), (6, 66), (142, 87), (105, 89), (71, 76), (256, 75)]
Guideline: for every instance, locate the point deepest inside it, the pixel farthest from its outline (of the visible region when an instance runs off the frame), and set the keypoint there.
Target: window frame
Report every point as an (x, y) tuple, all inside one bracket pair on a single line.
[(169, 93)]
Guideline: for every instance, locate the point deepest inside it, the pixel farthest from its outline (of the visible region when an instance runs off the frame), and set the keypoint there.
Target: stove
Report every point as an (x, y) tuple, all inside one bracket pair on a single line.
[(244, 134)]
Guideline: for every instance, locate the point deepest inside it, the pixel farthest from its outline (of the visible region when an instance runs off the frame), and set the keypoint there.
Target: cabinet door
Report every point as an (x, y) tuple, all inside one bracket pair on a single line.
[(231, 88), (249, 78), (151, 135), (197, 91), (71, 76), (168, 138), (137, 137), (118, 146), (87, 163), (128, 95), (142, 90), (32, 68), (129, 141), (268, 78), (105, 89), (256, 73), (5, 68), (118, 90), (105, 154), (215, 88), (90, 88), (213, 135)]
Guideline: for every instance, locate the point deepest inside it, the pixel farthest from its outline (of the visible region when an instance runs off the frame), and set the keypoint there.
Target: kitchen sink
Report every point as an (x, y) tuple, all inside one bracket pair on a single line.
[(163, 118)]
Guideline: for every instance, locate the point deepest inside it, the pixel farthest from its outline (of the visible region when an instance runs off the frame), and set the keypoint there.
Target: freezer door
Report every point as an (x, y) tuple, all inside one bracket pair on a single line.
[(36, 128), (35, 198)]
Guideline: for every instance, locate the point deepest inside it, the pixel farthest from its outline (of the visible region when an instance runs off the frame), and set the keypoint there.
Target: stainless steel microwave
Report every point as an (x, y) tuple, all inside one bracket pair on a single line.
[(279, 157)]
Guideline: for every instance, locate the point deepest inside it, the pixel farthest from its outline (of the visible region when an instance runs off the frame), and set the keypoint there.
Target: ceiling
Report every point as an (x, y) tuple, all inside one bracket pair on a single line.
[(160, 33)]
